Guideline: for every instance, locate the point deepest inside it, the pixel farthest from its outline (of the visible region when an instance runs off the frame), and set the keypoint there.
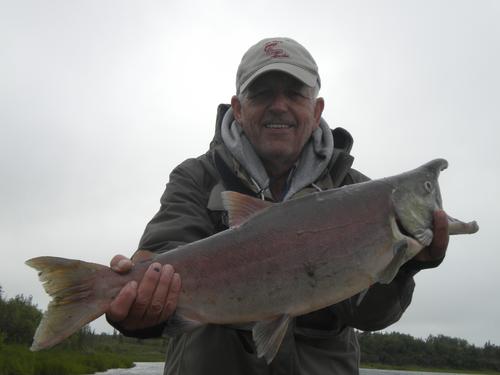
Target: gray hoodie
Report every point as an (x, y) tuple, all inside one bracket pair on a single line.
[(313, 160)]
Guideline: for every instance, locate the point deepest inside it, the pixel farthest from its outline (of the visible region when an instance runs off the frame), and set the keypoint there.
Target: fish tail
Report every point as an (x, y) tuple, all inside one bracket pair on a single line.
[(75, 298)]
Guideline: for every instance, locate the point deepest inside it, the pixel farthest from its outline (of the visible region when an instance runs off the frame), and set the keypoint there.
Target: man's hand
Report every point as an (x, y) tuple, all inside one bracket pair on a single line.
[(437, 249), (148, 303)]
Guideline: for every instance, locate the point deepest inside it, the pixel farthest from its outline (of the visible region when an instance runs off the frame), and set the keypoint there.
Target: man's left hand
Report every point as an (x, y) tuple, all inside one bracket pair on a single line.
[(437, 249)]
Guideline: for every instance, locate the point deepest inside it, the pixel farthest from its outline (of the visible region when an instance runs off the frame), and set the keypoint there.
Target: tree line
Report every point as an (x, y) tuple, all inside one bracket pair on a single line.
[(80, 354), (19, 318), (437, 352)]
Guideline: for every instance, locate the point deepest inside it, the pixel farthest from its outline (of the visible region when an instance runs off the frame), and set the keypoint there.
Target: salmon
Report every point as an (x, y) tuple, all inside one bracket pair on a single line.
[(275, 262)]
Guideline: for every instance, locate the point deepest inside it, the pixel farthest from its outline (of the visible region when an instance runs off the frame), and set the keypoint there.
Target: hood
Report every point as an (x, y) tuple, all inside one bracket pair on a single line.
[(321, 151)]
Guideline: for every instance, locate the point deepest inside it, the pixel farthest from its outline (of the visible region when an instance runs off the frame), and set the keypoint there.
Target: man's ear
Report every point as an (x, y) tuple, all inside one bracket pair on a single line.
[(236, 106), (318, 110)]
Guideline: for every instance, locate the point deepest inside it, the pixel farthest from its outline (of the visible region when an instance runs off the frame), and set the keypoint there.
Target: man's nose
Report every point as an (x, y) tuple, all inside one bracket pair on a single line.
[(279, 102)]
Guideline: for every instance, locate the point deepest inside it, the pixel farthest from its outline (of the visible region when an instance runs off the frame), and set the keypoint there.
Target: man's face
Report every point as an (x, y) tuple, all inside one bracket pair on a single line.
[(278, 115)]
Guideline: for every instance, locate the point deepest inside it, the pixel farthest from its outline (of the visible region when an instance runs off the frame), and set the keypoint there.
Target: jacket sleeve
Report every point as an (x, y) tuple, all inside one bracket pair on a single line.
[(383, 304), (183, 216)]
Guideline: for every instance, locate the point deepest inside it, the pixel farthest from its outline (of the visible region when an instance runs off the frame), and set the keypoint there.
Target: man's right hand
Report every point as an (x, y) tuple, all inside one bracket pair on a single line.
[(148, 303)]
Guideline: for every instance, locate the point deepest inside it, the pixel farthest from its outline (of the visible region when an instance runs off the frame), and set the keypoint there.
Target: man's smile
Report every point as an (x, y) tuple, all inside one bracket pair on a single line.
[(278, 126)]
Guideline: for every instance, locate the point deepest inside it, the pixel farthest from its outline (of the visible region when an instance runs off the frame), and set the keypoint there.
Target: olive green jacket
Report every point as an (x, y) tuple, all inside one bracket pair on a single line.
[(323, 342)]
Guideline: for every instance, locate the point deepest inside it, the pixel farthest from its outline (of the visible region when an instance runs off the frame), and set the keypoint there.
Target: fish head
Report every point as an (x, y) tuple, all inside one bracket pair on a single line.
[(416, 195)]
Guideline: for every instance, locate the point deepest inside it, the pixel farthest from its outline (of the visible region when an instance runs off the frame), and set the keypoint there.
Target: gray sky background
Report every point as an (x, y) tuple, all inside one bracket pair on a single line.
[(99, 100)]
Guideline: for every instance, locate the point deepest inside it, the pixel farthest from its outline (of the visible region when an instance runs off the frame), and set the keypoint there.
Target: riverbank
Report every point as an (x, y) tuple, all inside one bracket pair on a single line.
[(95, 356), (420, 369), (155, 368), (19, 360)]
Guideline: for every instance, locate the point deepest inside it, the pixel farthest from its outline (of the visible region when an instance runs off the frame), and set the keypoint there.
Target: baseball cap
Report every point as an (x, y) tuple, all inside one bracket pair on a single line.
[(281, 54)]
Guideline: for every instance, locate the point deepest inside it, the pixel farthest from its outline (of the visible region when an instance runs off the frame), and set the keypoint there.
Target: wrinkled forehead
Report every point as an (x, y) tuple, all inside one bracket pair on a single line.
[(276, 80)]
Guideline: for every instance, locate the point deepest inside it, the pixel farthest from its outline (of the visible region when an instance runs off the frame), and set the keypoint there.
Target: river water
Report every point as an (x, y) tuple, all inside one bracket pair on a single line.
[(141, 368), (365, 371), (156, 368)]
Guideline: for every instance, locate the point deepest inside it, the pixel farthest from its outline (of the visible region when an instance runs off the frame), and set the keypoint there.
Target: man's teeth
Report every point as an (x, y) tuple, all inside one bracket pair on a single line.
[(278, 126)]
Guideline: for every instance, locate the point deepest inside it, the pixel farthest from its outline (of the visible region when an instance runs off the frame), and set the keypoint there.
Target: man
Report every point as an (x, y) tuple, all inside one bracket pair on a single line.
[(271, 143)]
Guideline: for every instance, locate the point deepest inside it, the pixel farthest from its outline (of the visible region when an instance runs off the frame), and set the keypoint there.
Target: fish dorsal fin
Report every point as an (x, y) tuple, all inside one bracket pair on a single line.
[(268, 335), (241, 207)]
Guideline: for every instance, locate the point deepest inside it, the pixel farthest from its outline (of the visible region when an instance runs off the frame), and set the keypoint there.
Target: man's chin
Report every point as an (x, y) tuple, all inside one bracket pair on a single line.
[(282, 156)]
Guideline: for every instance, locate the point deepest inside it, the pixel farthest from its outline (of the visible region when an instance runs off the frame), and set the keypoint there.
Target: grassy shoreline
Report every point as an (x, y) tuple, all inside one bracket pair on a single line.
[(379, 366), (19, 360), (94, 356)]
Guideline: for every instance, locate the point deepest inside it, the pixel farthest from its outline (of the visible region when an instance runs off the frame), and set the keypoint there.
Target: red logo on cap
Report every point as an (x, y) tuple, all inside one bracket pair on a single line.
[(272, 51)]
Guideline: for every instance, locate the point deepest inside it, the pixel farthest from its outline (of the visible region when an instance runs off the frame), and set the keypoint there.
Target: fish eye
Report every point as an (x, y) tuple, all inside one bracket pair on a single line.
[(428, 186)]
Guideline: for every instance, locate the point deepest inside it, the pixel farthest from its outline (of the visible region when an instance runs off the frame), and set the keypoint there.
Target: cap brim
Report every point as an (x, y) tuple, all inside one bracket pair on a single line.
[(301, 74)]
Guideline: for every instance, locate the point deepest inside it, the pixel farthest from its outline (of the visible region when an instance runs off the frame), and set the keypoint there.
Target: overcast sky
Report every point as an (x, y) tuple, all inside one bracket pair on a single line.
[(99, 100)]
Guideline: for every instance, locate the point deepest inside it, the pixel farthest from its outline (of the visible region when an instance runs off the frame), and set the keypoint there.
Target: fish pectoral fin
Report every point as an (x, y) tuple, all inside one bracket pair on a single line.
[(268, 335), (361, 296), (390, 272), (177, 325), (240, 207)]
